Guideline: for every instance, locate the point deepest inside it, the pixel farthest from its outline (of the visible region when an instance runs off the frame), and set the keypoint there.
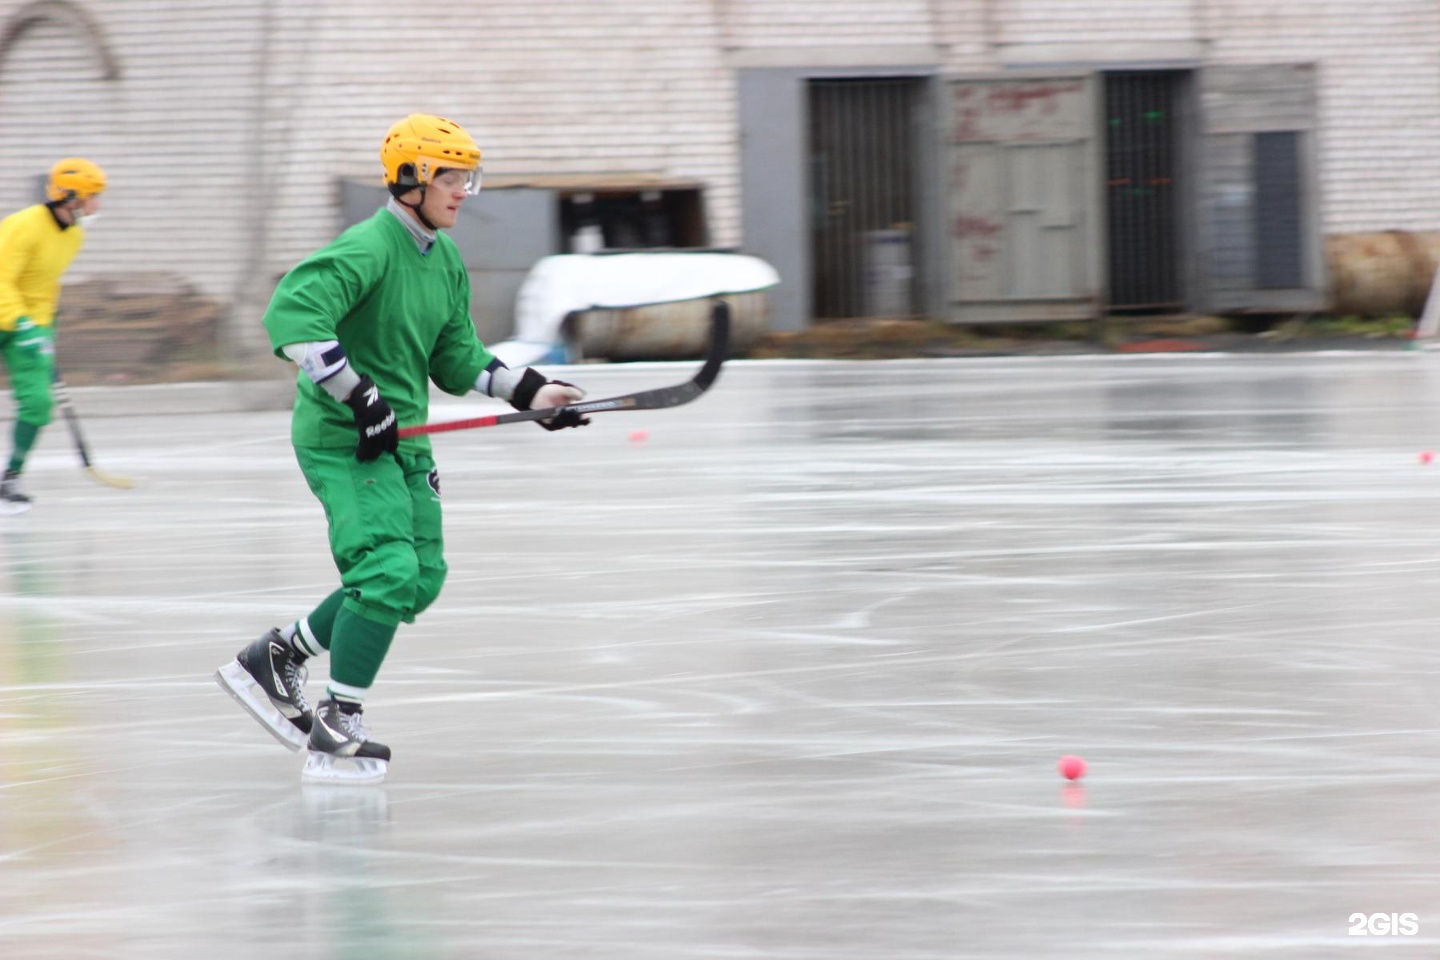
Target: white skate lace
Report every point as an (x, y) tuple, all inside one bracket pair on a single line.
[(295, 676), (354, 726)]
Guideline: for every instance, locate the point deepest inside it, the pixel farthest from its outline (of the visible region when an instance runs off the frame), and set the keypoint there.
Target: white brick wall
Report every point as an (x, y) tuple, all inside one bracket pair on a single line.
[(1379, 100), (799, 23), (584, 86), (565, 87), (598, 86), (170, 132), (1101, 21)]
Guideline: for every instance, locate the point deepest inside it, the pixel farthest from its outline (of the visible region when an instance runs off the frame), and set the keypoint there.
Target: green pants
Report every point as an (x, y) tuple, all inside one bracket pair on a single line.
[(385, 531), (29, 354)]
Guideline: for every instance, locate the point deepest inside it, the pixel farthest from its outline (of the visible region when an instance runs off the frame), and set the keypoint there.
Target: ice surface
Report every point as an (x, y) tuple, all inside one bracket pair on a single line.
[(787, 680)]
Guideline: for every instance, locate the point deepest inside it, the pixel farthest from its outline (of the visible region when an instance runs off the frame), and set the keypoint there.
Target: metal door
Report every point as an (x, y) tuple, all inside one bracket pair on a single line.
[(1021, 160), (1142, 191), (1260, 208), (862, 154)]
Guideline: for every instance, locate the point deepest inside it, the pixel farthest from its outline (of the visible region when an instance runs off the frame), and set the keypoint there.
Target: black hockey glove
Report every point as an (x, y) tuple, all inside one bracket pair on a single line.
[(532, 382), (374, 419)]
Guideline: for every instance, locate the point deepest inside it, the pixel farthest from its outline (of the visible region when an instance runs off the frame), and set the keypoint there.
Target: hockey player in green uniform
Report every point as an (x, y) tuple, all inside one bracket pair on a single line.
[(37, 245), (371, 319)]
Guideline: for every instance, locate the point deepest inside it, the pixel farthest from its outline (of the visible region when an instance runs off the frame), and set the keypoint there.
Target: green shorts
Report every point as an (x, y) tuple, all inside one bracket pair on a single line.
[(29, 354), (385, 529)]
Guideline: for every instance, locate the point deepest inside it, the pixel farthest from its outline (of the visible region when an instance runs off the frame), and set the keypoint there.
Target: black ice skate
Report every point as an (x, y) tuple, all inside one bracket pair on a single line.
[(268, 679), (12, 498), (341, 751)]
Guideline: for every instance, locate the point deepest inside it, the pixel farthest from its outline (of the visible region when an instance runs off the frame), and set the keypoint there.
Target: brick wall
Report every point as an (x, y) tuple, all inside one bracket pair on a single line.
[(1379, 98), (223, 106), (1094, 21)]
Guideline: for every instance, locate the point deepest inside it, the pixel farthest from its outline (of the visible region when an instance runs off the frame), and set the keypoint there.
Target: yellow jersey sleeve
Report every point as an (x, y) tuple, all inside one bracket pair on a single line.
[(34, 254)]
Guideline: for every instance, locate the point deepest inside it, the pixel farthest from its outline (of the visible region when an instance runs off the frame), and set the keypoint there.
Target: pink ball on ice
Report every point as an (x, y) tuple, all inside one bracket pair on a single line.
[(639, 436), (1071, 767), (1426, 456)]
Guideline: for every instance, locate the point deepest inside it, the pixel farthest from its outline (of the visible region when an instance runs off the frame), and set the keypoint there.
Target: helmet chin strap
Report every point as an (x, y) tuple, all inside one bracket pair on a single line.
[(71, 208), (420, 216)]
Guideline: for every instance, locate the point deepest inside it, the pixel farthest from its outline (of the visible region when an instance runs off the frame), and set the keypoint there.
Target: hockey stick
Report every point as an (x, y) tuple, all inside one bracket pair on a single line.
[(72, 420), (655, 399)]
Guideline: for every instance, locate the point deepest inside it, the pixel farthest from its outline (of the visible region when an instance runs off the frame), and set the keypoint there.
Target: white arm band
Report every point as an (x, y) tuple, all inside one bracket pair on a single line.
[(498, 381), (325, 363)]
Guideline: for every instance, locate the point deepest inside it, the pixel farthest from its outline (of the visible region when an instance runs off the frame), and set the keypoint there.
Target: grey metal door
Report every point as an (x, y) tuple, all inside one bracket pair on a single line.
[(1021, 158), (1259, 209), (862, 152)]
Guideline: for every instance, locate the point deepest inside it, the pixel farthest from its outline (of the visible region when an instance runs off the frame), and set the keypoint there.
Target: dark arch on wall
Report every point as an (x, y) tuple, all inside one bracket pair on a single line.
[(67, 14)]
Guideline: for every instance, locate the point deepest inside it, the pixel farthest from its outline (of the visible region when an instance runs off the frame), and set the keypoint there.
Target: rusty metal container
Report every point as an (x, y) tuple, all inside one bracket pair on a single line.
[(664, 331)]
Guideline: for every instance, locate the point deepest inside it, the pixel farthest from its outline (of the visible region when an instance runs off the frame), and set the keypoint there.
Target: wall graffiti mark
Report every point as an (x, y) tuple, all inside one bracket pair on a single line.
[(1013, 109), (971, 226)]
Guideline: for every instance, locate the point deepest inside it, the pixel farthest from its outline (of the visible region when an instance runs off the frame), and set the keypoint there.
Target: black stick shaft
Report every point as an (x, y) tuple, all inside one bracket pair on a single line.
[(72, 420), (654, 399)]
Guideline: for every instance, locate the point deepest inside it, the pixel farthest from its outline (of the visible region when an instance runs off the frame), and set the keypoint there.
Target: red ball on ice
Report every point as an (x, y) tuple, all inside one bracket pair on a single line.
[(639, 436), (1071, 767), (1426, 456)]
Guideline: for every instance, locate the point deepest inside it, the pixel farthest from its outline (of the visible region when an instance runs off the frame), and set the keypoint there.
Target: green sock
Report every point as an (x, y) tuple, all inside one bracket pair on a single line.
[(320, 624), (25, 434), (357, 648)]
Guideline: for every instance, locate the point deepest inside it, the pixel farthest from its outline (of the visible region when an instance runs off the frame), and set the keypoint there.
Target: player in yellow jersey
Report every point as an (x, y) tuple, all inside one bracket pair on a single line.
[(37, 245)]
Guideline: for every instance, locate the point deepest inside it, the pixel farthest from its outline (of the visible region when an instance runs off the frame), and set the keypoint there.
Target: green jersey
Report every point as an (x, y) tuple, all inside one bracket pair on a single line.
[(402, 316)]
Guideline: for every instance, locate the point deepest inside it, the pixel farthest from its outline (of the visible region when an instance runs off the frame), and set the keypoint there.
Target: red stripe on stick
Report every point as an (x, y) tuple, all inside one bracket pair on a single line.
[(471, 424)]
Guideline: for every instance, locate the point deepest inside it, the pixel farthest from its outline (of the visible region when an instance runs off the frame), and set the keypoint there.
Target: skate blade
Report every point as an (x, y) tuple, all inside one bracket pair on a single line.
[(342, 771), (234, 680), (11, 509)]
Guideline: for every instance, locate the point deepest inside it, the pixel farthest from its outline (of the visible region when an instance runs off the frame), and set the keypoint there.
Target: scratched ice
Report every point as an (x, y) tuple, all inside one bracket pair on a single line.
[(787, 680)]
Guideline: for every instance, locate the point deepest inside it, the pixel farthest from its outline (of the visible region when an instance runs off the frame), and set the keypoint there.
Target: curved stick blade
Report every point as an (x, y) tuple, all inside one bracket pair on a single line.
[(657, 398)]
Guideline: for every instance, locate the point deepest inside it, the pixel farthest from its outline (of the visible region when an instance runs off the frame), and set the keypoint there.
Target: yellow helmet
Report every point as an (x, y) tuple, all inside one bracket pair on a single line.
[(421, 144), (74, 178)]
